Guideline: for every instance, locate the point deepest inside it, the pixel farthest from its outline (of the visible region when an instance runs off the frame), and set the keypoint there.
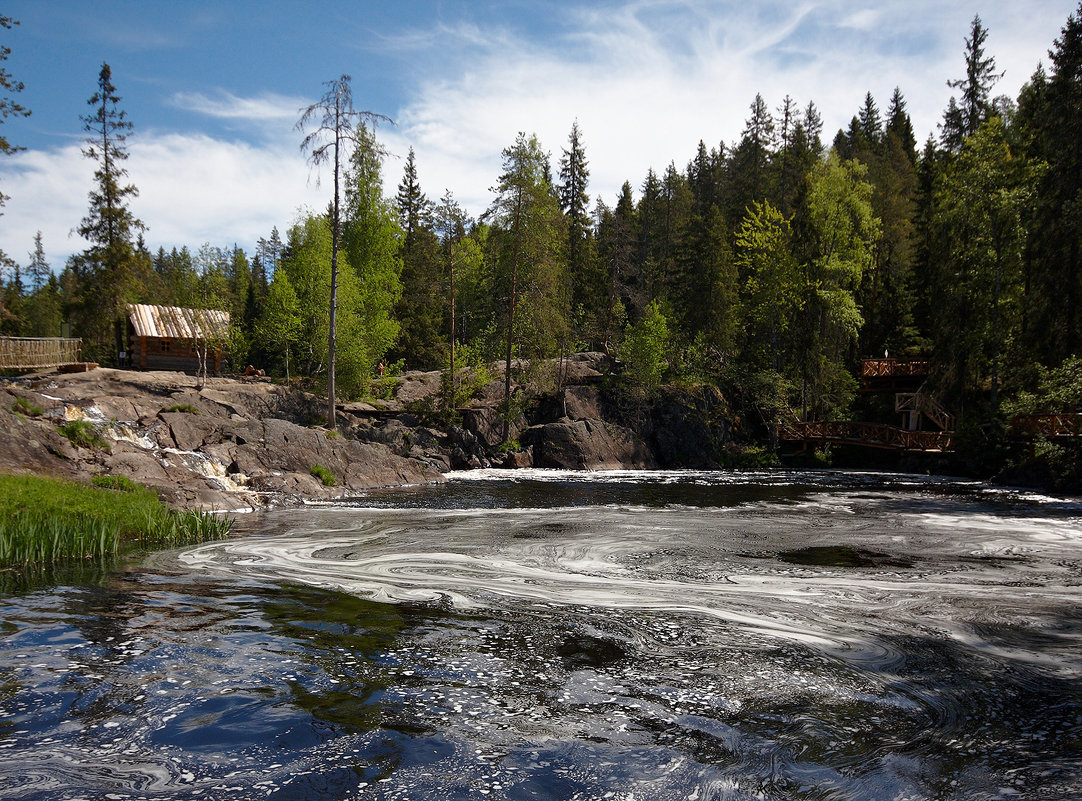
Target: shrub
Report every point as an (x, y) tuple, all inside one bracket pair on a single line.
[(323, 474)]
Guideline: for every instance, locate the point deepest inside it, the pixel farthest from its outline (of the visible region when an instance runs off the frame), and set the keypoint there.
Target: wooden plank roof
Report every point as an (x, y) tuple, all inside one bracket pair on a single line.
[(175, 322)]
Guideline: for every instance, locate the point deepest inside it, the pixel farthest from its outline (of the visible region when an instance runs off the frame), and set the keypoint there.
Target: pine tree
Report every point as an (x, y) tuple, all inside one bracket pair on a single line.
[(9, 86), (529, 242)]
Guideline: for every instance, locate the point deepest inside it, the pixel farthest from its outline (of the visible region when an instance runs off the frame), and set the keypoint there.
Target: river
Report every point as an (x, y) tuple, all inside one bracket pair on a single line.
[(560, 635)]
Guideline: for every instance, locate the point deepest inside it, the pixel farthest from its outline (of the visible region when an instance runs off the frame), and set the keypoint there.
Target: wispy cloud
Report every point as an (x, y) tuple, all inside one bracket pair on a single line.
[(228, 106), (646, 80)]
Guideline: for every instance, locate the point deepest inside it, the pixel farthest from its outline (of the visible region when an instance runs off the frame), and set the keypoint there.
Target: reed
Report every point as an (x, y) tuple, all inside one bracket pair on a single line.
[(46, 520)]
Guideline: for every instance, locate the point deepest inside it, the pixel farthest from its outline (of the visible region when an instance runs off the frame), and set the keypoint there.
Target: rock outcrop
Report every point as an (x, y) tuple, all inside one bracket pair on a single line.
[(232, 444)]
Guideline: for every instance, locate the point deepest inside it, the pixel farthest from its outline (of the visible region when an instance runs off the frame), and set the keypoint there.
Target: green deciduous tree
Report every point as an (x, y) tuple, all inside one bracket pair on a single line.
[(645, 349), (528, 240), (773, 285), (280, 324), (983, 200), (844, 230), (372, 239)]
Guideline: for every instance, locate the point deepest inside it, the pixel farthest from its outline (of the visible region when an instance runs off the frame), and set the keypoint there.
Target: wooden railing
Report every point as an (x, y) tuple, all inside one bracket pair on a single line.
[(894, 368), (31, 353), (876, 435), (926, 405), (1026, 426)]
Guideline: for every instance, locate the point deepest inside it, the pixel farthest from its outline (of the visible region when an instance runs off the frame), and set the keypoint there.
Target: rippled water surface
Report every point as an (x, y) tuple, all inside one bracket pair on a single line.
[(548, 635)]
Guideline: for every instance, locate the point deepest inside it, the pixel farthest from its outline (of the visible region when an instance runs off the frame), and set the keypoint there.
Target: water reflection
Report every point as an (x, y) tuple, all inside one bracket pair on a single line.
[(560, 636)]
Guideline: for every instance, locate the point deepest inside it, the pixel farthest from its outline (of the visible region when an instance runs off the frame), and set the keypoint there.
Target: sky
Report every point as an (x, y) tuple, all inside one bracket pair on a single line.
[(214, 90)]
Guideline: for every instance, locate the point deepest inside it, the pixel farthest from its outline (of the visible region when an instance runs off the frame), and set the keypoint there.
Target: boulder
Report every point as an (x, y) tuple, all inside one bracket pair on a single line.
[(582, 403), (587, 444)]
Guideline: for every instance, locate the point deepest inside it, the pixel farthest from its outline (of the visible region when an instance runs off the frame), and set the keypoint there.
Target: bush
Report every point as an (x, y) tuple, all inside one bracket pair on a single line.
[(323, 474)]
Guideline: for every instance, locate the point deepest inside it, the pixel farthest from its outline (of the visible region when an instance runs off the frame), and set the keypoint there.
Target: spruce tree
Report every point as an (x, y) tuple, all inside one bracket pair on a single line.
[(1054, 258), (420, 307), (976, 87), (38, 268), (115, 272)]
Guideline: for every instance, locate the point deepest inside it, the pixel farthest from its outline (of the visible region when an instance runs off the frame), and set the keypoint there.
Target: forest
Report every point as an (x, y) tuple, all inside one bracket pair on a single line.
[(767, 267)]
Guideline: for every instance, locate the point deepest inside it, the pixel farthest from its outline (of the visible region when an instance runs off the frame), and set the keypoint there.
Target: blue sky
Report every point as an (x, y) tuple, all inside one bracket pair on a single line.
[(214, 90)]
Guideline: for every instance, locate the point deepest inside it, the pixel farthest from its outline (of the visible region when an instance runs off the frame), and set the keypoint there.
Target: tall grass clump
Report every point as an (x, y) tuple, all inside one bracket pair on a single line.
[(23, 406), (47, 520), (82, 434), (323, 474)]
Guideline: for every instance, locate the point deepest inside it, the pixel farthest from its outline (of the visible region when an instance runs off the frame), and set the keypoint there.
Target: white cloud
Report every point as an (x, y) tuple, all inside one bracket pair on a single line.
[(192, 189), (648, 80)]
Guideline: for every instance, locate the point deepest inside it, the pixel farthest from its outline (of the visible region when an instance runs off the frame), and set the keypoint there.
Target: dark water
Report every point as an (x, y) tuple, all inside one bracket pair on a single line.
[(570, 636)]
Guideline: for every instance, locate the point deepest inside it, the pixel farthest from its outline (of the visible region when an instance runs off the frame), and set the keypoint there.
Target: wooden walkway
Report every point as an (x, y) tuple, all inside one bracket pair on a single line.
[(869, 435), (33, 353)]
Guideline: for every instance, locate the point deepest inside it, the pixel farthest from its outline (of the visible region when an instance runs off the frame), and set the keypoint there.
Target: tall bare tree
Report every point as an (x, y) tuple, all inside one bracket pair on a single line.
[(337, 124)]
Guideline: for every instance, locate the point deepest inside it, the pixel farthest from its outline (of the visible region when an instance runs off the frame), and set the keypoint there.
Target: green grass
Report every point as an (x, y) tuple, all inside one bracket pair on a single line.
[(187, 408), (82, 435), (47, 520), (122, 483), (23, 406), (323, 474)]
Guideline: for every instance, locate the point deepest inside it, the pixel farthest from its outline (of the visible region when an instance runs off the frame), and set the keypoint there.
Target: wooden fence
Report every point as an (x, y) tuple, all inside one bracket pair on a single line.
[(1028, 426), (894, 368), (31, 353)]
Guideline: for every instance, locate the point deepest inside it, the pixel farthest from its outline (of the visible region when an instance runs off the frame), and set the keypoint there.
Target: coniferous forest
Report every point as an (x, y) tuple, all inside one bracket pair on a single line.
[(766, 267)]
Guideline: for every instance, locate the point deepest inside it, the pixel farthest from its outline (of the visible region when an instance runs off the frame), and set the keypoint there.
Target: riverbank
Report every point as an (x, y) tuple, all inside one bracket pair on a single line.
[(44, 521), (243, 443), (240, 443)]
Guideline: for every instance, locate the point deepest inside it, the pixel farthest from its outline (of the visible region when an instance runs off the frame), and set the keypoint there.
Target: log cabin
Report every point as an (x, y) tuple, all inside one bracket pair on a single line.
[(174, 338)]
